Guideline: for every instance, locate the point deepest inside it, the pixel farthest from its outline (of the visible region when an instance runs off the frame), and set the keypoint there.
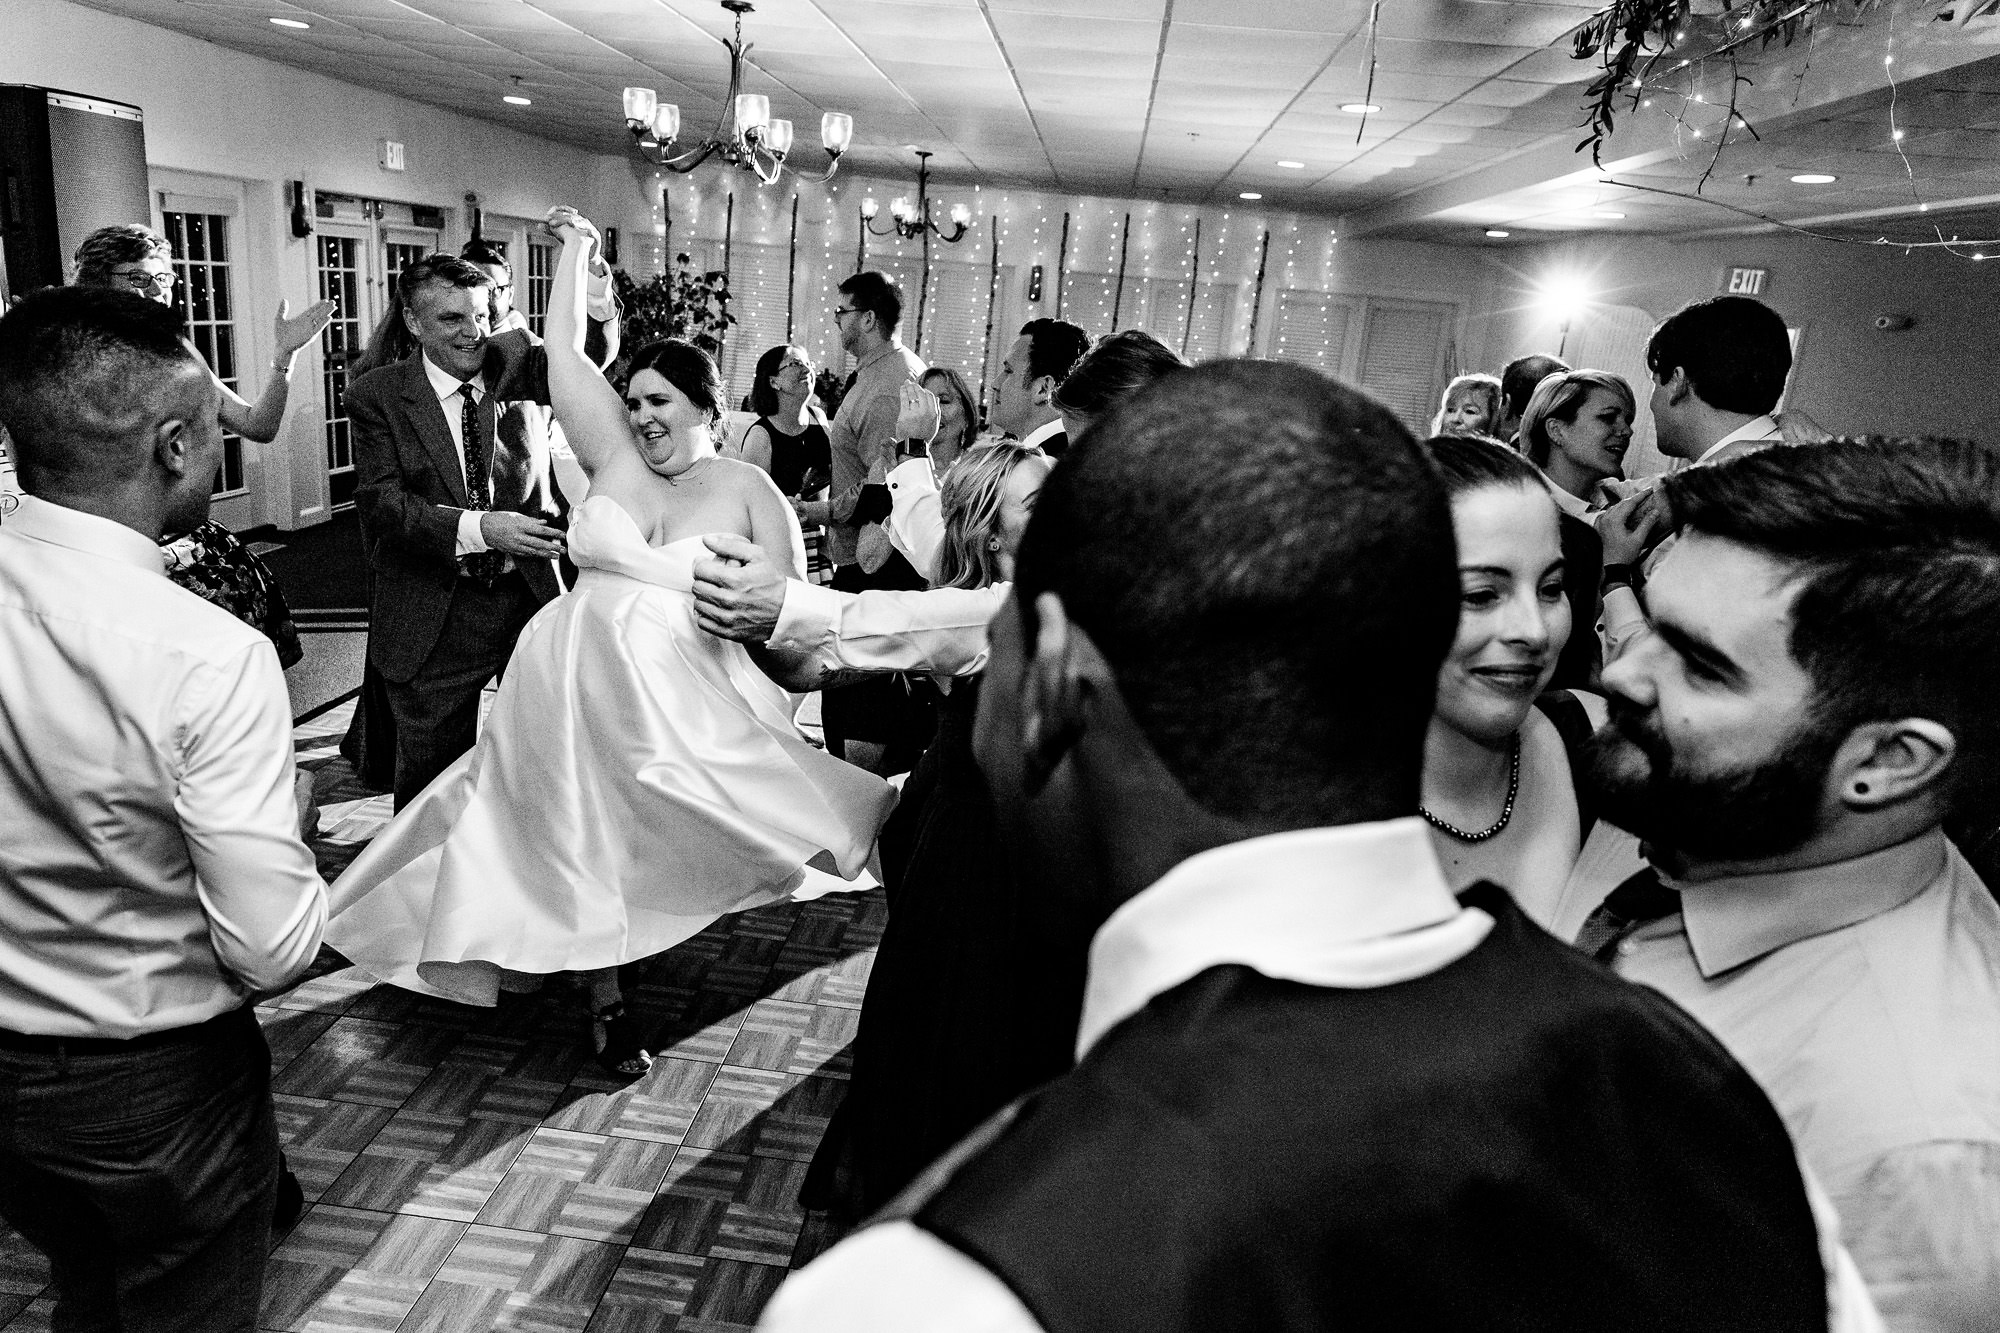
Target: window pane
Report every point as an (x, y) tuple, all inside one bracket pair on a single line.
[(197, 236), (224, 360), (218, 238)]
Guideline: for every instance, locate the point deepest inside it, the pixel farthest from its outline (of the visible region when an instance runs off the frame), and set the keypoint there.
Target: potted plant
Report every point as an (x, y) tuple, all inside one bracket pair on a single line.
[(679, 303)]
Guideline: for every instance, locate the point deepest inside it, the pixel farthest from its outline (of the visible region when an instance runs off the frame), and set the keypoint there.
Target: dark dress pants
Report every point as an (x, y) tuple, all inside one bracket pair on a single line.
[(146, 1176), (437, 710)]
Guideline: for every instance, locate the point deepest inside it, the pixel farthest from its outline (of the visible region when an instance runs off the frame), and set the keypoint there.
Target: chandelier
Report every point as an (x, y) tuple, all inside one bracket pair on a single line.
[(909, 220), (758, 144)]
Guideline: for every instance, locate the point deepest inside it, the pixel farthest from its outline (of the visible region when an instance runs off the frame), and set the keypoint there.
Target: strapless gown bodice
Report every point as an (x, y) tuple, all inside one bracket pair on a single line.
[(636, 779)]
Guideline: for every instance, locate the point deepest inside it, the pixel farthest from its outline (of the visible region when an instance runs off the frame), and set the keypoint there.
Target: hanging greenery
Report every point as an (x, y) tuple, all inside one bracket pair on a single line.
[(1632, 37), (679, 303)]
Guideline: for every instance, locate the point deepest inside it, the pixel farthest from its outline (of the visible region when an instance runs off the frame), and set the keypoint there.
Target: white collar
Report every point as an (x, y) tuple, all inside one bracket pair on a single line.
[(1033, 439), (445, 384), (59, 525), (1351, 906), (1757, 428)]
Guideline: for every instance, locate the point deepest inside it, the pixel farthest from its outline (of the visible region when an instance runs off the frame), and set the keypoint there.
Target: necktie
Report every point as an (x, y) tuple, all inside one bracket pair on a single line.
[(1639, 900), (482, 565)]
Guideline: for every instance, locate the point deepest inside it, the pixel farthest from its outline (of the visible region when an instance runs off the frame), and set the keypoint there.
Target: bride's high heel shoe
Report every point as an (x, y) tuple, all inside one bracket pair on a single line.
[(615, 1033)]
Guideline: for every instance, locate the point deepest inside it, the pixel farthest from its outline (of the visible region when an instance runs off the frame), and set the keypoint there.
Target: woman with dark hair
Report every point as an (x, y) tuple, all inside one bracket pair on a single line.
[(636, 777), (1498, 789), (788, 439)]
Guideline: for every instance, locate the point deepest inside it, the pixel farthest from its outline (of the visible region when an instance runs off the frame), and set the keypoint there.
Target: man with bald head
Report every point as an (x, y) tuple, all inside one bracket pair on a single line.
[(152, 879)]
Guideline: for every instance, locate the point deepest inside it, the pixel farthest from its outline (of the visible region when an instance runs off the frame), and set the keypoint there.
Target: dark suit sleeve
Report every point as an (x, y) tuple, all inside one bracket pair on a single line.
[(391, 514)]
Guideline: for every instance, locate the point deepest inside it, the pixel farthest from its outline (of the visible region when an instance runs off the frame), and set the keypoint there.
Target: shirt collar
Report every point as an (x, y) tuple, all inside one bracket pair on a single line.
[(1568, 503), (890, 347), (58, 525), (1740, 918), (1757, 428), (445, 384), (1352, 905), (1034, 438)]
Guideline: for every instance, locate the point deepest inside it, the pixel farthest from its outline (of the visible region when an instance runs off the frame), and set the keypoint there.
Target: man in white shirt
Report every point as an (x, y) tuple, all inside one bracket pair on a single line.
[(151, 874), (1814, 698), (1719, 368), (1313, 1089)]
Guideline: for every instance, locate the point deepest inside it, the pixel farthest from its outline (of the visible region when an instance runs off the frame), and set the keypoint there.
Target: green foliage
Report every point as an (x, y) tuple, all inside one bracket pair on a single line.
[(679, 303)]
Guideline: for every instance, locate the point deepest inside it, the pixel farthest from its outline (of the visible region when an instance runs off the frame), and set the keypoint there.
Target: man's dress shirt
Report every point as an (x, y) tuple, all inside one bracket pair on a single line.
[(863, 436), (942, 631), (916, 516), (1353, 906), (151, 873), (1865, 997)]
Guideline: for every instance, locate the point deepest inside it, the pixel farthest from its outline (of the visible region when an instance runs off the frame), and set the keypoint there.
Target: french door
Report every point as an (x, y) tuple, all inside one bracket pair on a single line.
[(358, 262)]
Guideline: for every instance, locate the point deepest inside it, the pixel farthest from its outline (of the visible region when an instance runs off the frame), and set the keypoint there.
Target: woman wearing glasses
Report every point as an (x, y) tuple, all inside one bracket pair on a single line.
[(139, 259)]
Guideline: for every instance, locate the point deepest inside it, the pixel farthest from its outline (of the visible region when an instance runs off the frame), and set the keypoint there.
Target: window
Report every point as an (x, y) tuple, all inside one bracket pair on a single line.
[(201, 261), (1394, 349), (541, 281), (757, 280), (344, 338)]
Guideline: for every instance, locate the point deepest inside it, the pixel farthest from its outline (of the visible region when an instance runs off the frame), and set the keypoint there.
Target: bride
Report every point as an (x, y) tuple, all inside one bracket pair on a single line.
[(636, 778)]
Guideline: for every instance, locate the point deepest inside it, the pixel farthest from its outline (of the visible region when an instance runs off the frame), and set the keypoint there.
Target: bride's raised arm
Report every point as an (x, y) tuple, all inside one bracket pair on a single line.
[(592, 415)]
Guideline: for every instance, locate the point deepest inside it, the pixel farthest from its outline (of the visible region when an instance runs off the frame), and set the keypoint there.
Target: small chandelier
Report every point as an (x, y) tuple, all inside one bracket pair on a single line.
[(910, 220), (758, 144)]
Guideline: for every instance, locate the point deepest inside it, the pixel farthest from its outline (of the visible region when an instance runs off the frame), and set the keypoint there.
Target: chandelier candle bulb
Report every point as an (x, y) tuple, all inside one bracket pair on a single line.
[(753, 112), (779, 136), (666, 123), (639, 104), (869, 208), (836, 132)]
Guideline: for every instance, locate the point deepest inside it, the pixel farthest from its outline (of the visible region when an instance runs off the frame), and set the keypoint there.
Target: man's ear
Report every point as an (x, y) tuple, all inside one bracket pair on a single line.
[(1044, 391), (1677, 386), (171, 444), (1064, 668), (1884, 763)]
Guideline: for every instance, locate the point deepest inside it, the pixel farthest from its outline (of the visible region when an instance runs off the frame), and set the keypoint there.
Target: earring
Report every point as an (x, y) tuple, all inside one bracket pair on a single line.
[(1860, 789), (992, 543)]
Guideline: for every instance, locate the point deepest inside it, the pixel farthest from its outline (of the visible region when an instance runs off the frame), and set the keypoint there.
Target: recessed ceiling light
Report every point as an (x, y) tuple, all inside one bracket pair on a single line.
[(1605, 213), (1249, 194), (514, 99), (291, 23), (1813, 178), (1290, 165), (1498, 233), (1359, 108)]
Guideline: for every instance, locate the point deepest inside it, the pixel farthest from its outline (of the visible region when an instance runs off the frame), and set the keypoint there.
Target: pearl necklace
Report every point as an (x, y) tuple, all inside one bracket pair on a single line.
[(1506, 811)]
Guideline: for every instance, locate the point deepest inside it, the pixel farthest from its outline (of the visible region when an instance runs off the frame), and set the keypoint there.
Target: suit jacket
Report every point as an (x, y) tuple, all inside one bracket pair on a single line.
[(411, 490)]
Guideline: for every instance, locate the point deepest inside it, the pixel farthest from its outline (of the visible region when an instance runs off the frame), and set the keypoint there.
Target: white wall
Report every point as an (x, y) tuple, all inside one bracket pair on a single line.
[(223, 114)]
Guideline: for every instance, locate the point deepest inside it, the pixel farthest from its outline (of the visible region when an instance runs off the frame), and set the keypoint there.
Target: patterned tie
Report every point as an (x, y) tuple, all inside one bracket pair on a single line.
[(484, 566), (1638, 901)]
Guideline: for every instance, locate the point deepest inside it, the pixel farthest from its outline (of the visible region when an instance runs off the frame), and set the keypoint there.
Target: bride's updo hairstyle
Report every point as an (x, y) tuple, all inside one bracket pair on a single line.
[(687, 368), (970, 500)]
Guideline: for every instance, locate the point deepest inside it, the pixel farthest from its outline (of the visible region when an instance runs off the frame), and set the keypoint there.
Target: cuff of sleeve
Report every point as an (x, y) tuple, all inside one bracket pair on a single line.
[(808, 618), (598, 301), (471, 540), (912, 475)]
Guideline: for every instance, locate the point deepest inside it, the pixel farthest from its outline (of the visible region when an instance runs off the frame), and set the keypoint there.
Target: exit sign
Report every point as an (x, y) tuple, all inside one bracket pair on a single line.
[(390, 154), (1746, 281)]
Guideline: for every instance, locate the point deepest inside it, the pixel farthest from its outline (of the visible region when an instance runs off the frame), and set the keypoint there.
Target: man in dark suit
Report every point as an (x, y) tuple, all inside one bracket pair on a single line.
[(456, 509), (1024, 401)]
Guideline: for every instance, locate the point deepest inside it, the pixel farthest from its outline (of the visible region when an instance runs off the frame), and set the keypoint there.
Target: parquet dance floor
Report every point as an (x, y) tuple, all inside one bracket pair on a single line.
[(471, 1169)]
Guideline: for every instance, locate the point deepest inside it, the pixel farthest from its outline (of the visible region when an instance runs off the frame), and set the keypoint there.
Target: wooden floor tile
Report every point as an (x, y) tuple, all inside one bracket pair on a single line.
[(37, 1316), (23, 1269)]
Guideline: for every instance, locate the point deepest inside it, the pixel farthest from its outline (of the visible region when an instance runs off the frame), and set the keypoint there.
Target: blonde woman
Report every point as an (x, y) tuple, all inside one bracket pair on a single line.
[(1471, 406), (1576, 429)]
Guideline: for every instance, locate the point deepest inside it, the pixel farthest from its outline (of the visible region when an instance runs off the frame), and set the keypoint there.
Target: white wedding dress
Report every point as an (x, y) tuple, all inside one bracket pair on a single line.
[(636, 779)]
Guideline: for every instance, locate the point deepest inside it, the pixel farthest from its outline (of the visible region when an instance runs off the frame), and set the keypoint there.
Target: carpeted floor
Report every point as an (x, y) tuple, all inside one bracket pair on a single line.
[(321, 568)]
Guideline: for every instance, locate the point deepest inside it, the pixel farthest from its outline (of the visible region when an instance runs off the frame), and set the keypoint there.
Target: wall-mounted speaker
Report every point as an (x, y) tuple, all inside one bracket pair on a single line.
[(69, 164)]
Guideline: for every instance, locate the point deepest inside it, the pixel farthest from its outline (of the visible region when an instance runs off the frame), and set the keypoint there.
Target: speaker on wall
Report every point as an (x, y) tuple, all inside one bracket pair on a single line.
[(69, 164)]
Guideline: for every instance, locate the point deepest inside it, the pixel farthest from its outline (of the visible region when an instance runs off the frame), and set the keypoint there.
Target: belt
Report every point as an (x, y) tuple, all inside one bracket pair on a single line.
[(36, 1043)]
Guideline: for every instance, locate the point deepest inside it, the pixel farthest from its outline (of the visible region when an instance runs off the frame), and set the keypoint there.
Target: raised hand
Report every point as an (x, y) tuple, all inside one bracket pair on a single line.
[(295, 331), (917, 415)]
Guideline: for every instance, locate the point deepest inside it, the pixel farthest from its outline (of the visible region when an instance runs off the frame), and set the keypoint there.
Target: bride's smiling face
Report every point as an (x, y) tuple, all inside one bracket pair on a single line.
[(666, 423)]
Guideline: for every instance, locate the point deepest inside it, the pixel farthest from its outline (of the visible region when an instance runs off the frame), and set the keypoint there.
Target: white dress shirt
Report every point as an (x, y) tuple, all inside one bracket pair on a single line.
[(450, 391), (916, 515), (151, 873), (942, 631), (1041, 434), (1354, 906), (1865, 996)]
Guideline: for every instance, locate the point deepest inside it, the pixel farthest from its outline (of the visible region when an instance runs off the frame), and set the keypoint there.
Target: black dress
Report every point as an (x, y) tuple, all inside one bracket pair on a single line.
[(792, 456), (976, 990)]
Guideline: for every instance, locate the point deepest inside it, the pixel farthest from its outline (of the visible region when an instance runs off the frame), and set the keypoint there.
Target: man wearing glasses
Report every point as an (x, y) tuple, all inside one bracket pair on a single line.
[(138, 259), (879, 714)]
